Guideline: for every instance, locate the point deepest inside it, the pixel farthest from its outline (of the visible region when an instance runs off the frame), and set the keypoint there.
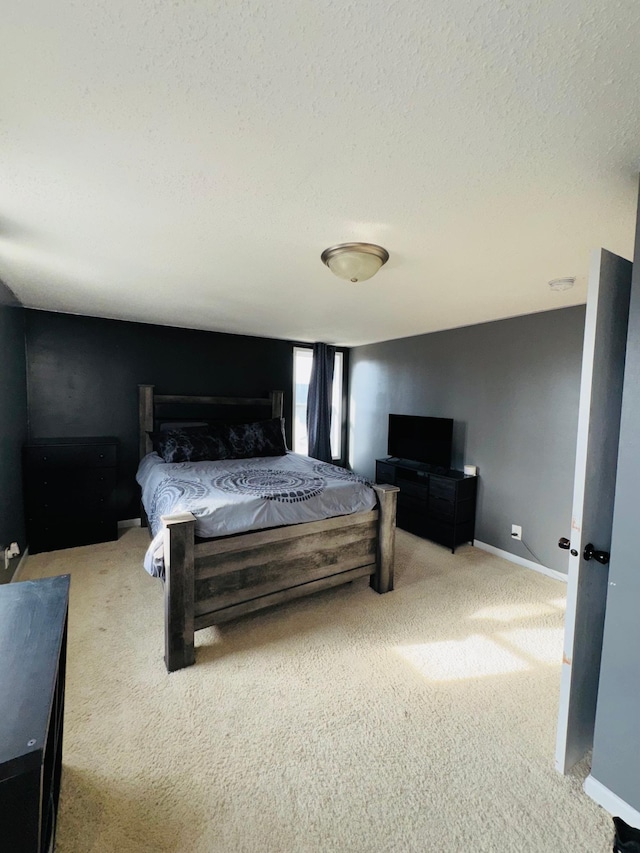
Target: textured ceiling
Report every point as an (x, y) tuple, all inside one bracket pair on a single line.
[(187, 162)]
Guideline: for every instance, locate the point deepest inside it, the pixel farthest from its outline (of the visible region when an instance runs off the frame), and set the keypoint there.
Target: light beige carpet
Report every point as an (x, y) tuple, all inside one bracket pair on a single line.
[(422, 720)]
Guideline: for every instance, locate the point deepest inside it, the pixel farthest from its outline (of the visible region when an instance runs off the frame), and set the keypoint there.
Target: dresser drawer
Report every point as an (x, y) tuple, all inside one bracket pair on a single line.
[(75, 481), (70, 456), (410, 520), (52, 536), (440, 532), (78, 493), (385, 473), (412, 502), (449, 534), (94, 506), (417, 490), (442, 487), (442, 509)]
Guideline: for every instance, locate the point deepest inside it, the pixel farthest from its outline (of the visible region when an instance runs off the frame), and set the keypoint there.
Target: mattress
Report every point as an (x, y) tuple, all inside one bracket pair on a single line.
[(239, 495)]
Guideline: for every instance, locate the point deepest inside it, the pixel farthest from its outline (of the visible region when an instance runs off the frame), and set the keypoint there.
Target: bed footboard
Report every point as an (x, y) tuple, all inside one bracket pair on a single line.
[(213, 581)]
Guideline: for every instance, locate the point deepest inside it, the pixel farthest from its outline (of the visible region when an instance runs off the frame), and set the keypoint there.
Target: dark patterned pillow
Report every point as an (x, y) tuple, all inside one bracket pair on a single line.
[(258, 438), (188, 447), (168, 442), (168, 434), (221, 441)]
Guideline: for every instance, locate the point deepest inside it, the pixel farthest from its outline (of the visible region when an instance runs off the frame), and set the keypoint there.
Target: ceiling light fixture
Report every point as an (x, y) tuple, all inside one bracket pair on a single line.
[(355, 261), (559, 284)]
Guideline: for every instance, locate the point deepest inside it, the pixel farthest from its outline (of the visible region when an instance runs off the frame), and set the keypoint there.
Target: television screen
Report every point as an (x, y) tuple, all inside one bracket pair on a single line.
[(421, 439)]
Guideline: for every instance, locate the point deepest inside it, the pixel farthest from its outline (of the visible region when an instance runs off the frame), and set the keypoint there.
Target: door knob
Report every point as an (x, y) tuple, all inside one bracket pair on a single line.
[(599, 556)]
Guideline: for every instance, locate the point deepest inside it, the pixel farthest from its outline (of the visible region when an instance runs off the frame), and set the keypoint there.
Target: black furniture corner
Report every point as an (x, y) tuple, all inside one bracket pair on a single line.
[(69, 486), (33, 641), (439, 504)]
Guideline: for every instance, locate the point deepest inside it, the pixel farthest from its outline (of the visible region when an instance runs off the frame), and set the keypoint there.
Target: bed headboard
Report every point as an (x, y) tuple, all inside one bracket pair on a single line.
[(154, 408)]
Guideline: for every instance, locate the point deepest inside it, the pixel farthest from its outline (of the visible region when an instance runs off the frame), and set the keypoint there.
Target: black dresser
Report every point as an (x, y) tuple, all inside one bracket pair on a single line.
[(33, 643), (69, 487), (439, 504)]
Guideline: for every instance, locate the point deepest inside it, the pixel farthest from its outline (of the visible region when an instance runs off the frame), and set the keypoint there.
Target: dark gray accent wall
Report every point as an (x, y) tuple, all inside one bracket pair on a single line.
[(512, 388), (616, 751), (84, 372), (13, 418)]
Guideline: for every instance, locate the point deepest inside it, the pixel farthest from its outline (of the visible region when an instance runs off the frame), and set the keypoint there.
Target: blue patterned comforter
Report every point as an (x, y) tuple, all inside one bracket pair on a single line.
[(238, 495)]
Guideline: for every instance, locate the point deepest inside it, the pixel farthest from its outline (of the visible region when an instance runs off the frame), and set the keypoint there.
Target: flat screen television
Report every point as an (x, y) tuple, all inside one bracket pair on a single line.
[(421, 439)]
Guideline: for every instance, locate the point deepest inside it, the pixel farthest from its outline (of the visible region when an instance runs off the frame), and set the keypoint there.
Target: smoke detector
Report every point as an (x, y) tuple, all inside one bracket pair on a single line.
[(560, 284)]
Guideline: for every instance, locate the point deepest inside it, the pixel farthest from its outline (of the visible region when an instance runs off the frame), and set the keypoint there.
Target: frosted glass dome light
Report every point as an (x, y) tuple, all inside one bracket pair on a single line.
[(355, 261), (560, 284)]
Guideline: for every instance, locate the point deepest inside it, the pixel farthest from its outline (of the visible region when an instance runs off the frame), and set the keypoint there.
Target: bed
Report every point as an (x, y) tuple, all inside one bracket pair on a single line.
[(211, 579)]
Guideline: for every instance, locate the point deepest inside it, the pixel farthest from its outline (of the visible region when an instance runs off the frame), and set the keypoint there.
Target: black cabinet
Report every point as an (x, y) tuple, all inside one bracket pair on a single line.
[(433, 502), (70, 492), (33, 643)]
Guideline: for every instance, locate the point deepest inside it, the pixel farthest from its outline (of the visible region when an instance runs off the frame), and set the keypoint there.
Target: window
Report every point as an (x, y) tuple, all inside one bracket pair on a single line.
[(302, 360)]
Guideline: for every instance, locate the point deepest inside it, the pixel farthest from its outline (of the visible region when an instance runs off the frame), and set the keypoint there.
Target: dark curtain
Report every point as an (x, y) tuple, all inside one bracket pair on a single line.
[(319, 402)]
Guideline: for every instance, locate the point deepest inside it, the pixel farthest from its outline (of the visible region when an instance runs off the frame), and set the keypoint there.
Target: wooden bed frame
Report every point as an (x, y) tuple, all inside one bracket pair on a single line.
[(211, 581)]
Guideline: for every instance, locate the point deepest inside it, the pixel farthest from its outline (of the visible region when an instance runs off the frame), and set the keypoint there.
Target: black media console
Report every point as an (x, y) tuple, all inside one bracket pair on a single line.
[(436, 503), (33, 640)]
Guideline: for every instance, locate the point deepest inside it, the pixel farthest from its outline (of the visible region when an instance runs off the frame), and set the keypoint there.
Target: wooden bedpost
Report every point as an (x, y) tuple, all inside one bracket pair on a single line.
[(145, 425), (145, 417), (179, 590), (382, 579)]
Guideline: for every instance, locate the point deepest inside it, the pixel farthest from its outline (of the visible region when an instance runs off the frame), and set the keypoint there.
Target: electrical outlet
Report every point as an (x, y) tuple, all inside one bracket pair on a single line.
[(516, 531), (12, 550)]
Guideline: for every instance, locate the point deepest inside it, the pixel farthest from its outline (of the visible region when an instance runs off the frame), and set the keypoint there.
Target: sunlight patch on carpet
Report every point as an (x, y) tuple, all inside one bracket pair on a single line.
[(512, 611), (455, 660), (541, 644)]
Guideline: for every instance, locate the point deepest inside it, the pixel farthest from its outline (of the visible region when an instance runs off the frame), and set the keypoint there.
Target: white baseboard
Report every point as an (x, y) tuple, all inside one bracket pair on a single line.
[(521, 561), (24, 556), (129, 522), (611, 802)]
